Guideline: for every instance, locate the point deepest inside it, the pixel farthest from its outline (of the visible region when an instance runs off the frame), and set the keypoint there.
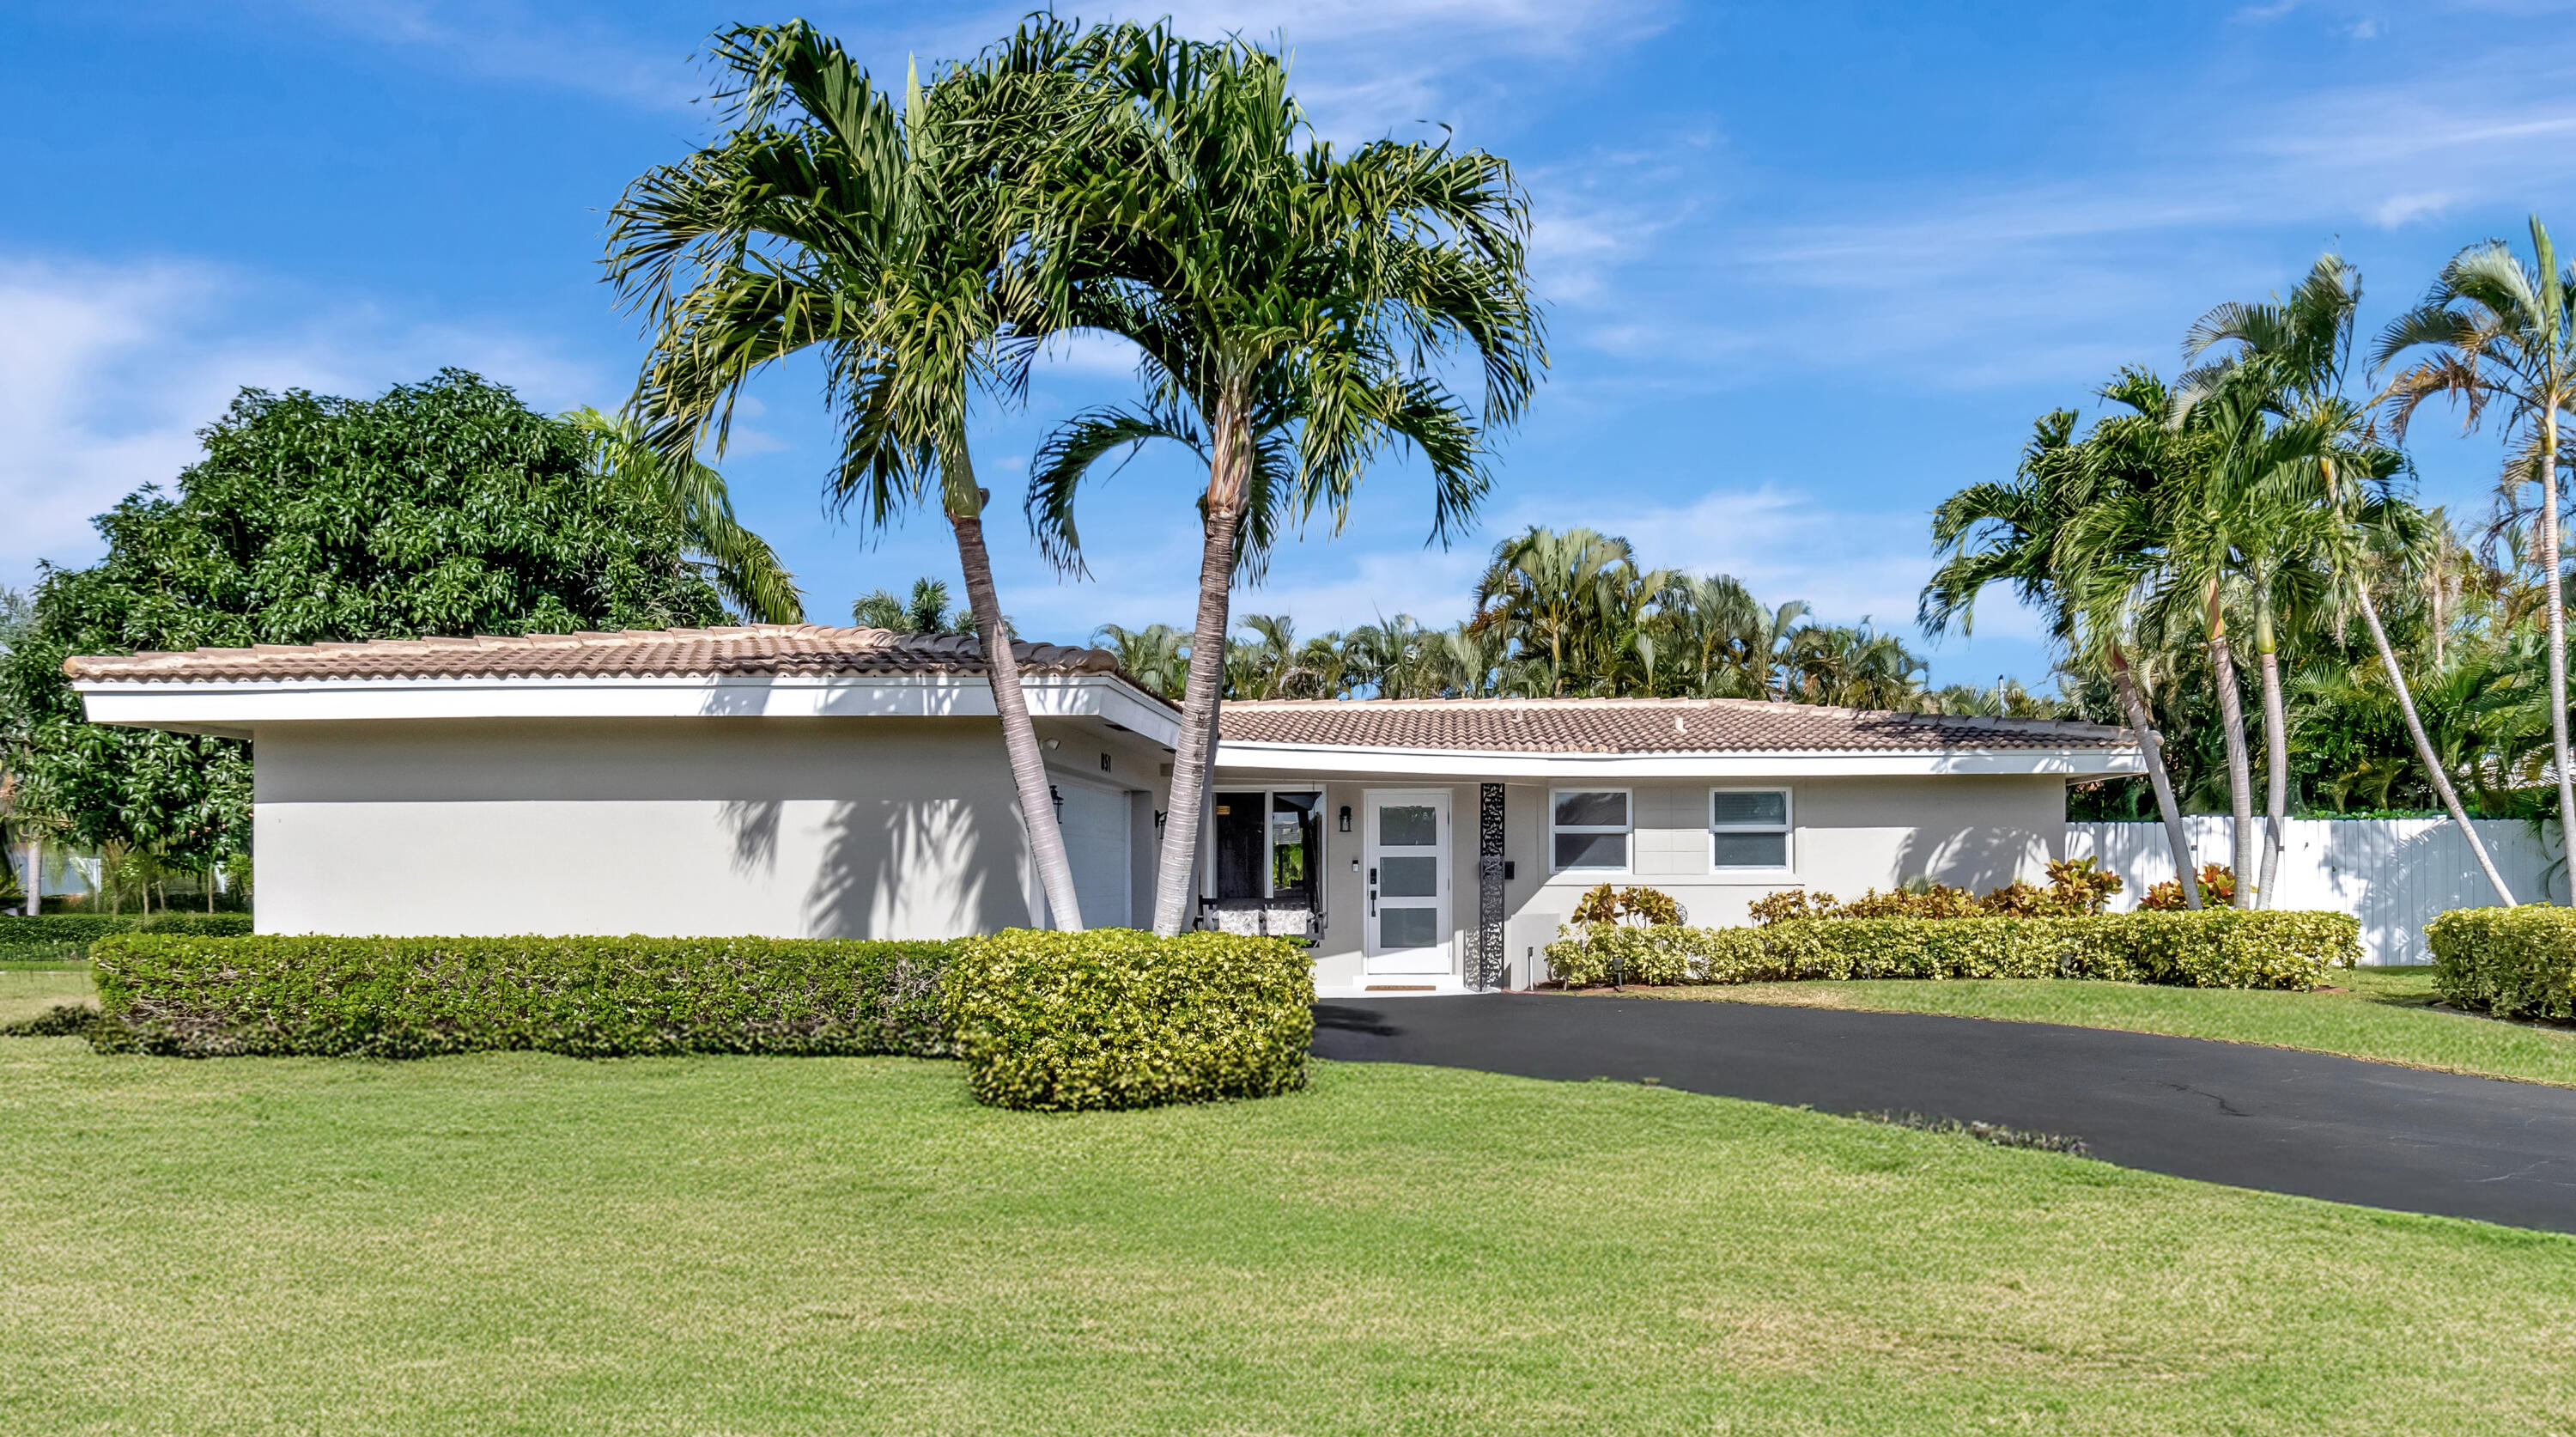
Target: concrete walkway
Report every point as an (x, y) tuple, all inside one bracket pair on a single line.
[(2290, 1122)]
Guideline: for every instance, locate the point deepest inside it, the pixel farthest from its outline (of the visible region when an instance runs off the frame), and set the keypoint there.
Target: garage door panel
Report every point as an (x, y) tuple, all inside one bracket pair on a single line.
[(1095, 841)]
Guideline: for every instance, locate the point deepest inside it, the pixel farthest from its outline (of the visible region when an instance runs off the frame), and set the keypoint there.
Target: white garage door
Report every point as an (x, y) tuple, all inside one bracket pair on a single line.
[(1095, 840)]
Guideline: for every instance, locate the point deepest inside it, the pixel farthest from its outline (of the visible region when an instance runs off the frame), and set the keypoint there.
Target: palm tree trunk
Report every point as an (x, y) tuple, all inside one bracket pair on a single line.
[(2276, 748), (2240, 780), (2433, 770), (1028, 769), (2176, 834), (2557, 615), (1176, 871)]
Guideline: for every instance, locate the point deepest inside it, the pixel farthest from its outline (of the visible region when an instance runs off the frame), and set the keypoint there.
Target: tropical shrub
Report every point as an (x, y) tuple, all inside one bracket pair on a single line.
[(67, 936), (2217, 948), (1606, 904), (198, 996), (2217, 890), (2075, 886), (1116, 1018), (2512, 962)]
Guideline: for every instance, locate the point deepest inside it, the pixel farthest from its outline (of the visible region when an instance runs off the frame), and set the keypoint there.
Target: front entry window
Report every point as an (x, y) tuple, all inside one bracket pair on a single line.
[(1268, 845), (1296, 845), (1239, 837)]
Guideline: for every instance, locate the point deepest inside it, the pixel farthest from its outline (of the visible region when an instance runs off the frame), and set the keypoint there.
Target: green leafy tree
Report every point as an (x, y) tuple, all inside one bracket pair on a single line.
[(442, 508), (693, 497)]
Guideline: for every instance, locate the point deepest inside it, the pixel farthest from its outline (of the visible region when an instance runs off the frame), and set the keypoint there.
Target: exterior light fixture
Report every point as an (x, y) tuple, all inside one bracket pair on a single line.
[(1057, 794), (1346, 818)]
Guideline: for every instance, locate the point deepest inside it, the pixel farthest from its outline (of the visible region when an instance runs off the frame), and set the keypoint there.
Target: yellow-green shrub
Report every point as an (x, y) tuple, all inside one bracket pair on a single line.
[(2213, 949), (1115, 1018), (2512, 962), (592, 997)]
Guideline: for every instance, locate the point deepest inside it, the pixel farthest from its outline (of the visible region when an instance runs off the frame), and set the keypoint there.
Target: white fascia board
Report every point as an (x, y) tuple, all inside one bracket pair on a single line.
[(1476, 763), (239, 704)]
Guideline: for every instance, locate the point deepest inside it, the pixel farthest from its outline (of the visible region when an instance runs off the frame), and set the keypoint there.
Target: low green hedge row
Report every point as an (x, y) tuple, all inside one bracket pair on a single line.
[(1112, 1018), (2209, 949), (62, 936), (591, 997), (2511, 962), (1115, 1018)]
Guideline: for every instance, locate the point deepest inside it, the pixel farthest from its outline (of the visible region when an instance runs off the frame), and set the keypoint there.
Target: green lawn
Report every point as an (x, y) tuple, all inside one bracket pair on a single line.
[(520, 1243), (2385, 1014), (27, 989)]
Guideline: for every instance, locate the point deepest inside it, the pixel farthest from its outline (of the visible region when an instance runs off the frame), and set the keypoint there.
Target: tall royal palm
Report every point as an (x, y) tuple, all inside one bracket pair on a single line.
[(881, 235), (2495, 331), (2295, 350), (1276, 290), (2020, 532)]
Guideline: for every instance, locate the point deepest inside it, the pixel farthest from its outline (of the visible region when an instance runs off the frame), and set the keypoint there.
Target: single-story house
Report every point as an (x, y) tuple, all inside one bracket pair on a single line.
[(798, 780)]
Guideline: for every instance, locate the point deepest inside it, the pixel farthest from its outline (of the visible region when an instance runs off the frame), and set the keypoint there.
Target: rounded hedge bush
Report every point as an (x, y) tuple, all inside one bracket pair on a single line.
[(1117, 1018), (2511, 962)]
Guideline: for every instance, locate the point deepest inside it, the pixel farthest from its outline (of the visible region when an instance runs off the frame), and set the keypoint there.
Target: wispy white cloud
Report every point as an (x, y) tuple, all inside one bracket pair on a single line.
[(511, 41), (108, 371), (1983, 280)]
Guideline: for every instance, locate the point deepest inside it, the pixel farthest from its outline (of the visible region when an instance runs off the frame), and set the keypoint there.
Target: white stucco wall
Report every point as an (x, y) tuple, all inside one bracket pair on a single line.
[(772, 826), (1849, 834)]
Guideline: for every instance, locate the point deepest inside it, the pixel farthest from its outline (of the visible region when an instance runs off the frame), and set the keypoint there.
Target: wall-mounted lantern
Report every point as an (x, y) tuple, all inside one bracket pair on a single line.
[(1057, 794), (1346, 818)]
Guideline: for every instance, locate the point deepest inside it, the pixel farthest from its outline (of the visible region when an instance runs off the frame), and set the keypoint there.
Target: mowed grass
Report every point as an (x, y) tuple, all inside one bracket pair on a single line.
[(30, 989), (515, 1243), (2385, 1014)]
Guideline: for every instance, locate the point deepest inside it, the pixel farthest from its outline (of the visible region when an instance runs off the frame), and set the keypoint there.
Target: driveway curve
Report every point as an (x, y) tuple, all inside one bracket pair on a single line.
[(2291, 1122)]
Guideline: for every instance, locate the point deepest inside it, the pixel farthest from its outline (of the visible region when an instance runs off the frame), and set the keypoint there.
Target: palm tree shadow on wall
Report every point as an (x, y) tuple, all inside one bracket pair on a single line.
[(754, 824), (1978, 859), (908, 870)]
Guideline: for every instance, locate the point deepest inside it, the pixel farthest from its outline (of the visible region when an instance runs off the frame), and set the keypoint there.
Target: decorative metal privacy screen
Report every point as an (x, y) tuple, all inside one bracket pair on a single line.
[(1489, 964)]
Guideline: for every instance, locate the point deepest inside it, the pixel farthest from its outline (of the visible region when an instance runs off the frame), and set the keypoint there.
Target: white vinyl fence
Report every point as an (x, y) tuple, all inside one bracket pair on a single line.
[(2394, 874)]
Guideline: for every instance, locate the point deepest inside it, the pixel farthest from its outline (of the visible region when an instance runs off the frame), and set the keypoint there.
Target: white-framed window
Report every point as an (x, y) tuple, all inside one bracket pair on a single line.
[(1588, 828), (1748, 828)]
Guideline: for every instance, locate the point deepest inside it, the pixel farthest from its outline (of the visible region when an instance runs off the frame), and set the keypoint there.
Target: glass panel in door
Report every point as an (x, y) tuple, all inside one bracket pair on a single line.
[(1408, 890)]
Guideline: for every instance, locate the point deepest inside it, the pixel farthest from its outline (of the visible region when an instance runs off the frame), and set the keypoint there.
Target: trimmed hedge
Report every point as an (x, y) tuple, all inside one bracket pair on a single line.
[(2210, 949), (1115, 1018), (2511, 962), (590, 997), (63, 937)]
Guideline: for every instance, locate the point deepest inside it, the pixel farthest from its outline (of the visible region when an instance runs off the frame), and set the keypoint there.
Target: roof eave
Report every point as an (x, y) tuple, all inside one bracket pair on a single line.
[(2070, 761)]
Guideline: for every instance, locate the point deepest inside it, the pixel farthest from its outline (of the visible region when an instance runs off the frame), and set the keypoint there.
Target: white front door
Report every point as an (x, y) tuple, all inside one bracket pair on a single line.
[(1094, 822), (1407, 863)]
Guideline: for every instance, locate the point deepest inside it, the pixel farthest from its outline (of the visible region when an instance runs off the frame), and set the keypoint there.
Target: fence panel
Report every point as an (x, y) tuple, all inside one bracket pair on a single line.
[(2394, 874)]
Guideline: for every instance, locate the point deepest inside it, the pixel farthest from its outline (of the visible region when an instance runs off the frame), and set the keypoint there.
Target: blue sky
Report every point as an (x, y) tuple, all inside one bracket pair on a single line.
[(1808, 268)]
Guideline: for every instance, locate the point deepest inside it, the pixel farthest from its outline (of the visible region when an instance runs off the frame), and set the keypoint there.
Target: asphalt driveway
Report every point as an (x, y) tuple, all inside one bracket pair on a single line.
[(2290, 1122)]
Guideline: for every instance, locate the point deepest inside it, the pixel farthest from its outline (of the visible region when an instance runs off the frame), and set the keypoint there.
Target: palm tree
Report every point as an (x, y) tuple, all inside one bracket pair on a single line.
[(886, 237), (1546, 592), (1279, 295), (2020, 532), (2501, 332), (924, 611), (742, 566), (1157, 655), (2298, 348)]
